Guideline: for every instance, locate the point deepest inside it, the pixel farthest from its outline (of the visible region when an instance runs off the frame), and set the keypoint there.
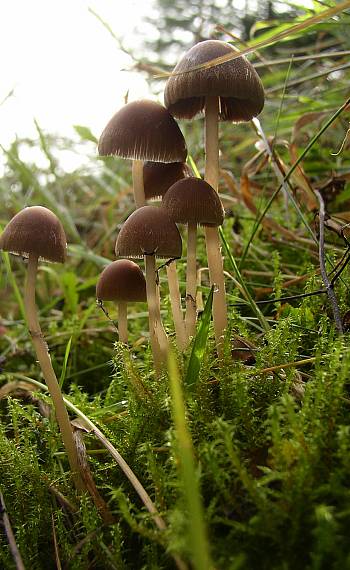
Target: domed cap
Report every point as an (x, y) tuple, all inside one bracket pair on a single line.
[(193, 201), (159, 176), (235, 82), (122, 280), (35, 230), (143, 130), (149, 231)]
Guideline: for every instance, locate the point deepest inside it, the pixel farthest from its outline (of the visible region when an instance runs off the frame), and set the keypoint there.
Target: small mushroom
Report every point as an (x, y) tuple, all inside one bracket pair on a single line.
[(150, 233), (123, 282), (230, 90), (143, 130), (194, 202), (36, 233), (159, 176)]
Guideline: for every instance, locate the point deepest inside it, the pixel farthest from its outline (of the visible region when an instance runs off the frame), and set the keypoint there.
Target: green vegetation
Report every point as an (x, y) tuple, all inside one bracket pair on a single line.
[(246, 460)]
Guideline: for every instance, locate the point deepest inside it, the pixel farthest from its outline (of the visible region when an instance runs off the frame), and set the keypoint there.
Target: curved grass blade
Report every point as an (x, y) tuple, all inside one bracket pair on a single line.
[(200, 344), (197, 536)]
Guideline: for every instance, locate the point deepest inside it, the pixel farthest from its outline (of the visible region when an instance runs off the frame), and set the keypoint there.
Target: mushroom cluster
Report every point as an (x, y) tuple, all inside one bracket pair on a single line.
[(213, 78)]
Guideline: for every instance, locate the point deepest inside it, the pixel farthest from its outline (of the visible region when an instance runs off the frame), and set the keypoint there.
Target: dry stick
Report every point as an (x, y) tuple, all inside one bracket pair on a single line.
[(327, 283), (159, 341), (215, 261), (123, 321), (191, 280), (137, 182), (175, 299), (44, 359), (10, 536)]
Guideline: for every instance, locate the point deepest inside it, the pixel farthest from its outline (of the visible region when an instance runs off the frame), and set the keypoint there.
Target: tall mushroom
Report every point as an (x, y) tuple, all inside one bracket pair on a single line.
[(194, 202), (229, 90), (150, 233), (145, 131), (36, 233), (158, 177), (123, 282)]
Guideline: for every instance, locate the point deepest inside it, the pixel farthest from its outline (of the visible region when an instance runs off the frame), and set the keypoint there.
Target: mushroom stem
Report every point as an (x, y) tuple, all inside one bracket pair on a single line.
[(191, 280), (175, 300), (215, 262), (123, 322), (44, 359), (159, 341), (137, 181)]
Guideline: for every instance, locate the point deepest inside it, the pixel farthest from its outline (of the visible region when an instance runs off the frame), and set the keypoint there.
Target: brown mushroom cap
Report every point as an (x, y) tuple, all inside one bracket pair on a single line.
[(122, 280), (143, 130), (235, 82), (149, 231), (35, 230), (159, 176), (193, 201)]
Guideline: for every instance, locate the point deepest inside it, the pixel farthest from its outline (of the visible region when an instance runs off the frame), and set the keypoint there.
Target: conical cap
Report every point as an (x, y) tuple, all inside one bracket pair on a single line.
[(149, 231), (35, 230), (235, 82), (193, 201), (122, 280), (143, 130)]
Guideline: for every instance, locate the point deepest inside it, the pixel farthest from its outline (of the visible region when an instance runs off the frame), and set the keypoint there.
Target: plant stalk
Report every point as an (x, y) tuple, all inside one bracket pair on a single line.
[(191, 280), (44, 359), (159, 340), (215, 262), (137, 182), (123, 321), (175, 300)]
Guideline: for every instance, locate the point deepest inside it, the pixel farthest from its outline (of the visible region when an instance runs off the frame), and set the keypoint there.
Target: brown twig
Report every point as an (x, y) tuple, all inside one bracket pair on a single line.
[(5, 522), (327, 283)]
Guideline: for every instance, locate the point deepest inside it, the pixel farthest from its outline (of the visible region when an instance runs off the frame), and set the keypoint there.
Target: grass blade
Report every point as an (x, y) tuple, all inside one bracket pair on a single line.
[(199, 345), (197, 537), (254, 307), (65, 362)]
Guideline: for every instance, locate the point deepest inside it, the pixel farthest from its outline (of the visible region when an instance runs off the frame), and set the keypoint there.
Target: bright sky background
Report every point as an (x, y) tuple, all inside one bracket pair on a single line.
[(64, 66)]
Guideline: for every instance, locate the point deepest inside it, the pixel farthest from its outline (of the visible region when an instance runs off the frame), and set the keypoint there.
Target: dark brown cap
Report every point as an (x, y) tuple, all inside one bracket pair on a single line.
[(193, 201), (235, 82), (35, 230), (159, 176), (143, 130), (122, 280), (149, 231)]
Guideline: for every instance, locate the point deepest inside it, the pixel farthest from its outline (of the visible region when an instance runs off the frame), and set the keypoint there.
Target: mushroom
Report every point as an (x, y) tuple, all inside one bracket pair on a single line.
[(194, 202), (159, 176), (150, 233), (123, 282), (143, 130), (146, 131), (36, 233), (230, 90)]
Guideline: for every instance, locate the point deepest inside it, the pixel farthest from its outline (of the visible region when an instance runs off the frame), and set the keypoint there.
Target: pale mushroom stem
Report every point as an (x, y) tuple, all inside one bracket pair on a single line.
[(175, 300), (44, 359), (175, 297), (159, 341), (137, 181), (215, 262), (191, 280), (123, 321)]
